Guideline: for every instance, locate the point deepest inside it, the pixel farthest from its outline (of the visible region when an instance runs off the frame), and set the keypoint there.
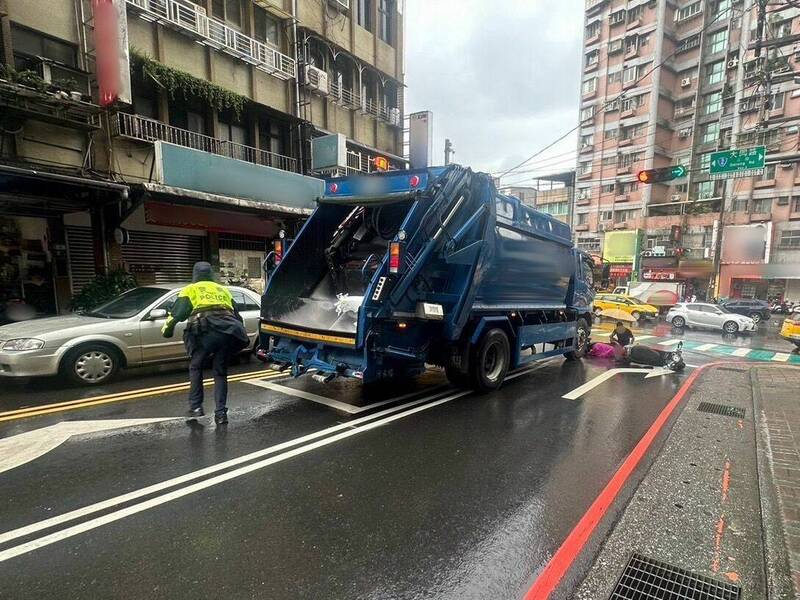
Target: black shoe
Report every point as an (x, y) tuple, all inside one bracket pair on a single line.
[(221, 419), (195, 413)]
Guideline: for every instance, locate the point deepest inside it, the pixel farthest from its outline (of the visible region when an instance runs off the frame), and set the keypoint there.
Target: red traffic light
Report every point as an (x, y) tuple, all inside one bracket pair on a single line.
[(644, 176)]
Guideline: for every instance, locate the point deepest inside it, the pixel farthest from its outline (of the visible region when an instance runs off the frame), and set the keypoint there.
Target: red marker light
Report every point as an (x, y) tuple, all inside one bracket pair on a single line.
[(394, 257), (644, 176), (333, 188), (414, 181)]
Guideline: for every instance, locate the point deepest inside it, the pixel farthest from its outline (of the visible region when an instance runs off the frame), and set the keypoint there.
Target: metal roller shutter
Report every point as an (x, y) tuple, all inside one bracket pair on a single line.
[(81, 256), (170, 256)]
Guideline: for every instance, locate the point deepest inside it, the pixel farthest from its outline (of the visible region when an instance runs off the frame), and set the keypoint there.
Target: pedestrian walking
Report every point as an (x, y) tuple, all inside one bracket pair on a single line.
[(214, 330)]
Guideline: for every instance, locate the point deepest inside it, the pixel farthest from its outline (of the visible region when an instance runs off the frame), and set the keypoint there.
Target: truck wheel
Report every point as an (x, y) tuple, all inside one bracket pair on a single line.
[(456, 377), (490, 360), (581, 340)]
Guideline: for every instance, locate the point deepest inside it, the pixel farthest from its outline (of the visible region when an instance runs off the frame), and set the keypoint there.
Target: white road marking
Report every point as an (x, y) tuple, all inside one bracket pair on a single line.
[(377, 420), (741, 352), (780, 357), (593, 383), (670, 342), (704, 347), (25, 447), (639, 338), (343, 406)]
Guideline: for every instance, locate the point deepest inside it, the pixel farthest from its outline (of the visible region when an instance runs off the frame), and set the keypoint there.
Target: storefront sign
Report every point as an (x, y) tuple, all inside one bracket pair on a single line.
[(746, 244), (659, 275), (621, 246), (620, 271), (113, 60)]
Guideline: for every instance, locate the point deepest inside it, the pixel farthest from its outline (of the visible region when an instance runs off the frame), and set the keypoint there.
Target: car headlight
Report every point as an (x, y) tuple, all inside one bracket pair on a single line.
[(20, 344)]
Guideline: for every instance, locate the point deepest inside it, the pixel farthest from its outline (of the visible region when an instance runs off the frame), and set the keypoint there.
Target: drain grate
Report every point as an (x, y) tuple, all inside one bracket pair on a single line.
[(648, 579), (722, 409)]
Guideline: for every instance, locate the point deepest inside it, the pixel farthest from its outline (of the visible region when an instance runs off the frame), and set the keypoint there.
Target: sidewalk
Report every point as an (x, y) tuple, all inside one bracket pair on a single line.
[(719, 505)]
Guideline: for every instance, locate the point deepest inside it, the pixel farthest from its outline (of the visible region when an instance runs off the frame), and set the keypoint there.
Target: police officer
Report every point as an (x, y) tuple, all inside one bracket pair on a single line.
[(214, 329)]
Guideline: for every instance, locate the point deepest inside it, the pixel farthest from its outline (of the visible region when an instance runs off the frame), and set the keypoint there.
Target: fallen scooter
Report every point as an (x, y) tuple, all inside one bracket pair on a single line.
[(646, 356)]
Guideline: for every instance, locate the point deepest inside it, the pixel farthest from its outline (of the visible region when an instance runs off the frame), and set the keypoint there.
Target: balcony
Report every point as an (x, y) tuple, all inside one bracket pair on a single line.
[(47, 107), (622, 198), (354, 101), (149, 130), (191, 20)]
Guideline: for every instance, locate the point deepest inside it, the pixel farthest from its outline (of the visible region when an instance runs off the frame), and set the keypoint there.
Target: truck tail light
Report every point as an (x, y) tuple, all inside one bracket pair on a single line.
[(277, 247), (394, 258)]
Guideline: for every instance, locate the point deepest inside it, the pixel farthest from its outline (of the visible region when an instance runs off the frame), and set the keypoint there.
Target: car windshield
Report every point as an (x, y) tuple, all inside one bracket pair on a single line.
[(128, 304)]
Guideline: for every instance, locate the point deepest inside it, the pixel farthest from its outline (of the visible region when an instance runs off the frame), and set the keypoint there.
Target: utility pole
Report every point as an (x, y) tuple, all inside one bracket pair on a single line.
[(448, 151)]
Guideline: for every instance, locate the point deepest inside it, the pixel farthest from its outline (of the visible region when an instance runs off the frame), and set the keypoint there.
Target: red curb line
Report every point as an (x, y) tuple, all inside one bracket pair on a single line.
[(565, 556)]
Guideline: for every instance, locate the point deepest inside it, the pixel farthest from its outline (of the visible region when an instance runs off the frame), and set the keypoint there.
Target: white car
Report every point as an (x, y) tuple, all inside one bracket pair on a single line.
[(708, 316), (90, 347)]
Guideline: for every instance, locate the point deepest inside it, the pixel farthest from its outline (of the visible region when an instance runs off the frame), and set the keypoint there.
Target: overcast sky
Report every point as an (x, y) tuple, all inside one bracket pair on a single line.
[(501, 77)]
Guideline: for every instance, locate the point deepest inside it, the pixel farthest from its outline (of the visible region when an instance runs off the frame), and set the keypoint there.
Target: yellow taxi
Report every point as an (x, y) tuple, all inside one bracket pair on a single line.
[(790, 331), (627, 304)]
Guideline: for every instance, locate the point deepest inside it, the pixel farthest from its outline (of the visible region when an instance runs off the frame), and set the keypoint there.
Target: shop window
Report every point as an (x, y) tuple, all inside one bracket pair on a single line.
[(31, 46)]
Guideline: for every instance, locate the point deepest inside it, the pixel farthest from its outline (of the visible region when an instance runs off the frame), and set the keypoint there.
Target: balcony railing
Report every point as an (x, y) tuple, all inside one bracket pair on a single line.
[(355, 101), (192, 20), (47, 107), (149, 130)]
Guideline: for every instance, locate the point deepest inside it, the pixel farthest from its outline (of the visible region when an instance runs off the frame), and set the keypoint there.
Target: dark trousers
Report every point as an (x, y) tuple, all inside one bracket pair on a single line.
[(217, 346)]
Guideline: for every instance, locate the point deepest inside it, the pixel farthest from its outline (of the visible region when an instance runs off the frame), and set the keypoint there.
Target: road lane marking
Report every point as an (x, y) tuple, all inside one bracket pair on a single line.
[(336, 404), (45, 409), (643, 337), (741, 352), (350, 427), (593, 383), (669, 342), (705, 347), (25, 447), (781, 357)]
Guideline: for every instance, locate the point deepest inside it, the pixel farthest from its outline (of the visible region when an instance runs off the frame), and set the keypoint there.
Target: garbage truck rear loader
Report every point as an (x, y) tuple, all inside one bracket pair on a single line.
[(397, 270)]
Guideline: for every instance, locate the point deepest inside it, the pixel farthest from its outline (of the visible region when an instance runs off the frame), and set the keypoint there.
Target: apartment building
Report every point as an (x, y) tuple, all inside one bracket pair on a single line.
[(552, 194), (208, 157), (668, 83)]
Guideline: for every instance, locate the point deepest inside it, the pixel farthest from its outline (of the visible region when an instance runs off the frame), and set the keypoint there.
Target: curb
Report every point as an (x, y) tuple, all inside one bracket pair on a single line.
[(776, 555)]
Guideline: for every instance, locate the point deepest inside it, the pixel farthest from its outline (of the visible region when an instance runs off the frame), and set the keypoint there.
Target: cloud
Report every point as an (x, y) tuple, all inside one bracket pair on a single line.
[(501, 82)]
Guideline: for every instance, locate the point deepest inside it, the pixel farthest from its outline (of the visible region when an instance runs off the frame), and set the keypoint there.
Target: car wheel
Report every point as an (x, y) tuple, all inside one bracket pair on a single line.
[(636, 315), (678, 322), (730, 327), (756, 317), (91, 364), (490, 361)]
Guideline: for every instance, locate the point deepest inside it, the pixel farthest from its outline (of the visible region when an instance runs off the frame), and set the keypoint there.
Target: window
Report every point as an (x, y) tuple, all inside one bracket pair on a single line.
[(592, 58), (365, 14), (584, 167), (271, 136), (609, 187), (761, 205), (587, 113), (627, 187), (611, 134), (587, 140), (615, 77), (717, 42), (687, 12), (710, 133), (621, 216), (790, 238), (609, 161), (266, 28), (554, 208), (626, 160), (688, 44), (712, 103), (583, 218), (32, 44), (617, 18), (631, 43), (229, 11), (386, 15), (644, 40), (769, 173), (722, 6), (606, 215), (795, 205), (777, 101), (704, 190), (593, 29), (715, 72), (242, 300), (504, 208), (630, 74), (589, 85), (705, 161), (634, 14), (739, 205)]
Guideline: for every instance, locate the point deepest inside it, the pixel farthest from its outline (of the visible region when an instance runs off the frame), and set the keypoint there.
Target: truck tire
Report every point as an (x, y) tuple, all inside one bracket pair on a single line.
[(582, 338), (489, 361)]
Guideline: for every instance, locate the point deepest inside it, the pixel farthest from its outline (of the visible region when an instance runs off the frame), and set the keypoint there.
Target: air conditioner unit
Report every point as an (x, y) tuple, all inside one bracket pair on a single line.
[(685, 133), (601, 228), (317, 79), (733, 63), (686, 82), (675, 197), (394, 116)]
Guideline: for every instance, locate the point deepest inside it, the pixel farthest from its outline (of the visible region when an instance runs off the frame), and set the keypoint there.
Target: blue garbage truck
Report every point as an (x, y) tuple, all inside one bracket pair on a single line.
[(398, 270)]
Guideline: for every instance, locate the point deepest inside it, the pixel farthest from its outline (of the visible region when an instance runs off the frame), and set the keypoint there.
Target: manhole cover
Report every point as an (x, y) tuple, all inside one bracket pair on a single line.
[(648, 579), (722, 409)]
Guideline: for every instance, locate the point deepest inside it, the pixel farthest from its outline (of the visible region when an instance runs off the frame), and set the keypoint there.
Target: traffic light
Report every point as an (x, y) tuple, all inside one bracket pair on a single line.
[(661, 175)]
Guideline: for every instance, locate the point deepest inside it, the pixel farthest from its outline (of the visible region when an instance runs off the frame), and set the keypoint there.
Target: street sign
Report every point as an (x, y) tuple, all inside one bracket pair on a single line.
[(738, 163)]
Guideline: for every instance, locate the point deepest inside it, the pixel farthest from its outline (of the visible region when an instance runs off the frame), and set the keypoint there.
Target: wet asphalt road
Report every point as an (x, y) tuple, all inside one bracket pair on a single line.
[(437, 493)]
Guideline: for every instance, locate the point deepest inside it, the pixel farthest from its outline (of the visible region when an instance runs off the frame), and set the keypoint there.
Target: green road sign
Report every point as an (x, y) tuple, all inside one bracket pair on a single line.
[(738, 163)]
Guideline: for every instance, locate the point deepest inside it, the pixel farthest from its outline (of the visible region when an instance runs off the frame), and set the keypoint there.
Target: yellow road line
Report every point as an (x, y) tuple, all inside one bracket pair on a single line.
[(33, 411)]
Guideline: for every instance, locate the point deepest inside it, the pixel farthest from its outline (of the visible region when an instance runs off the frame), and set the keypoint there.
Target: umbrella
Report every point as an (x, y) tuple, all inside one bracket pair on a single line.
[(617, 314)]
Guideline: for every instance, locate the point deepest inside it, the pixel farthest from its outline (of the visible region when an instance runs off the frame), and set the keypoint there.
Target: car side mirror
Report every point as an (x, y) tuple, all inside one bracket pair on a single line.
[(156, 314)]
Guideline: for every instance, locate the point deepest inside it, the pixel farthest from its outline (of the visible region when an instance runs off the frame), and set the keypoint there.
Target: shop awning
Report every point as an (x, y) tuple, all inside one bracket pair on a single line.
[(32, 192)]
